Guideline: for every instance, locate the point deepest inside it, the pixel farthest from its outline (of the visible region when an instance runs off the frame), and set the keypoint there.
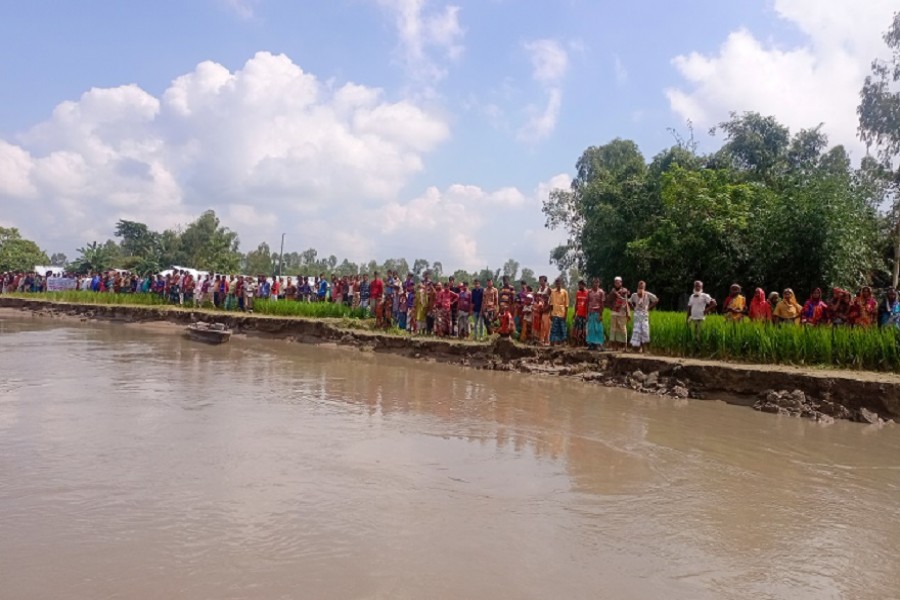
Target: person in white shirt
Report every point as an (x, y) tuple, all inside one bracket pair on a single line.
[(699, 305), (642, 302)]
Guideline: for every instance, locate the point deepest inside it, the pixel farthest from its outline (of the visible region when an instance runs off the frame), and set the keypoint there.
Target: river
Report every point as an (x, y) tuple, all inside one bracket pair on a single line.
[(137, 464)]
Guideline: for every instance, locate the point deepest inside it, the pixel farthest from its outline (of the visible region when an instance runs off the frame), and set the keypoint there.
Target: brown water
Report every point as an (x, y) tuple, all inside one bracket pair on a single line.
[(137, 464)]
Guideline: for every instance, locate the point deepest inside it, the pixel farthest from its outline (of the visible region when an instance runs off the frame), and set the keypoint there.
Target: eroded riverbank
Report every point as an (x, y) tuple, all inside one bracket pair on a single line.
[(821, 395)]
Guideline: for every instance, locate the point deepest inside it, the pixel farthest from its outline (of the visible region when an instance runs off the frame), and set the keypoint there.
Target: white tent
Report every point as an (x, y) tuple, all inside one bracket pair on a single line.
[(55, 271), (194, 272)]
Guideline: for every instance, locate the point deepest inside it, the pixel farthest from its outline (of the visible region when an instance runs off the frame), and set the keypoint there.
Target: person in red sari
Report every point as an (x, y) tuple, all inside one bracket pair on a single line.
[(760, 308), (863, 309), (376, 297), (815, 311)]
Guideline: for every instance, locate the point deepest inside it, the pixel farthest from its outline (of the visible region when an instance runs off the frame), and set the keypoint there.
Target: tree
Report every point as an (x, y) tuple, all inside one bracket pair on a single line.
[(93, 257), (606, 207), (437, 270), (58, 259), (308, 258), (461, 275), (528, 277), (137, 239), (292, 262), (702, 234), (767, 209), (208, 246), (169, 250), (511, 269), (879, 127), (17, 253), (347, 268), (260, 261), (755, 145), (420, 265)]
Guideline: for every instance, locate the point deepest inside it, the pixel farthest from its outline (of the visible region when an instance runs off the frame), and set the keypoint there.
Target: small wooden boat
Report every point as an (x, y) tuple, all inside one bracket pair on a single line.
[(210, 333)]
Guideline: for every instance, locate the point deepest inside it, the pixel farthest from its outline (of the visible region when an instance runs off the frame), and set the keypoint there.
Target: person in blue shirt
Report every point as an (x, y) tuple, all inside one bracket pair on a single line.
[(323, 288)]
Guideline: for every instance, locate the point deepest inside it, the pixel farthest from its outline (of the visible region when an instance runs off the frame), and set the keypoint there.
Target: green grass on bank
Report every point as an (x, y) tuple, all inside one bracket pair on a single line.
[(320, 310), (874, 349), (280, 308)]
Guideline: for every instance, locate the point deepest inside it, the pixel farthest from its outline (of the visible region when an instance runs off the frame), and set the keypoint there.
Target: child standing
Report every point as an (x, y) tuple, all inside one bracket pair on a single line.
[(507, 321), (527, 318)]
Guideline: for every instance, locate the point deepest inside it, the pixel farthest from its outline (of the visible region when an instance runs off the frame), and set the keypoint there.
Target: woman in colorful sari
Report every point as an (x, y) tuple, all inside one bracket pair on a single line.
[(889, 309), (863, 309), (815, 311), (787, 310), (760, 309), (735, 304), (839, 307)]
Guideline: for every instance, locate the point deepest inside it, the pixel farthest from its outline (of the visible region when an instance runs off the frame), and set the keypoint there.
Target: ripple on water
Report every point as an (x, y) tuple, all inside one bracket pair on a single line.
[(134, 461)]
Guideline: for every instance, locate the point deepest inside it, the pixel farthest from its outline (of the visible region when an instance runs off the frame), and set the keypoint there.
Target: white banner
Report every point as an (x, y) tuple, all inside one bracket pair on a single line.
[(61, 284)]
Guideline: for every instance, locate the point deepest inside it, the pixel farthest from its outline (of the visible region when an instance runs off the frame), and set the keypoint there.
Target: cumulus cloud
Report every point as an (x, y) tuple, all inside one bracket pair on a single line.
[(245, 9), (427, 38), (267, 139), (816, 81), (549, 61), (466, 226), (272, 149)]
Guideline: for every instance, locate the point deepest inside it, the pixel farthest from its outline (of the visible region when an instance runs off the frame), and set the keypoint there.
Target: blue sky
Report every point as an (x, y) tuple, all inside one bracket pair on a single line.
[(376, 128)]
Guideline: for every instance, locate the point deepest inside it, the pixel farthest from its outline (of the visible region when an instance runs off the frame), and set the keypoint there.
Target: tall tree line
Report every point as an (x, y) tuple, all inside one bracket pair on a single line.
[(767, 209)]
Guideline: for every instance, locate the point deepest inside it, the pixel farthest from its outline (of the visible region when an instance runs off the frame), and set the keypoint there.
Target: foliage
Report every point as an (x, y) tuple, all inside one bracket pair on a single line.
[(767, 209), (260, 261), (879, 127), (95, 257), (137, 239), (17, 253), (208, 246)]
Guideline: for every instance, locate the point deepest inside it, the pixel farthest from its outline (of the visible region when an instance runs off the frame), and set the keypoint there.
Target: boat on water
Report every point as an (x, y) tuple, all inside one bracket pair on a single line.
[(209, 333)]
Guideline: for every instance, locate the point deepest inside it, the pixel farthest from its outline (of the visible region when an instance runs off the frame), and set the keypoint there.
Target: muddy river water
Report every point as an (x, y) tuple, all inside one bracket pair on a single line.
[(137, 464)]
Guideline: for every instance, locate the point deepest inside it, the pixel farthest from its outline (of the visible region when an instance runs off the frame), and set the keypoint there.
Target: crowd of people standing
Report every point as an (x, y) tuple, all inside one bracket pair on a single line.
[(451, 308)]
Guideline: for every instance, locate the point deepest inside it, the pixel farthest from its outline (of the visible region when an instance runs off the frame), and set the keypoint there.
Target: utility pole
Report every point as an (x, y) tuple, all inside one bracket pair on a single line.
[(281, 256)]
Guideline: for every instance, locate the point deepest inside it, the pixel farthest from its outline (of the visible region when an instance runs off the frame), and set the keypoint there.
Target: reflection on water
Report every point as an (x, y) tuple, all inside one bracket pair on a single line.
[(137, 464)]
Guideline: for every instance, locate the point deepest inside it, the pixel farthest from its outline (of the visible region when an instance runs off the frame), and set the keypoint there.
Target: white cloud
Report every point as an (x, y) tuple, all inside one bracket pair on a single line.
[(15, 172), (466, 226), (549, 62), (245, 9), (818, 81), (272, 149), (542, 122), (620, 70), (421, 31), (268, 146)]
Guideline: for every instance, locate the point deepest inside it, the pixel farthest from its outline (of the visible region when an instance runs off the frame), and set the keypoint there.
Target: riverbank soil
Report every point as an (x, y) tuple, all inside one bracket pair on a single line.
[(819, 394)]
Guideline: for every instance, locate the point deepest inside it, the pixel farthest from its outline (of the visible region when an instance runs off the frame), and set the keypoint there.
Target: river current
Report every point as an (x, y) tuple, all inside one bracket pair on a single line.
[(137, 464)]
